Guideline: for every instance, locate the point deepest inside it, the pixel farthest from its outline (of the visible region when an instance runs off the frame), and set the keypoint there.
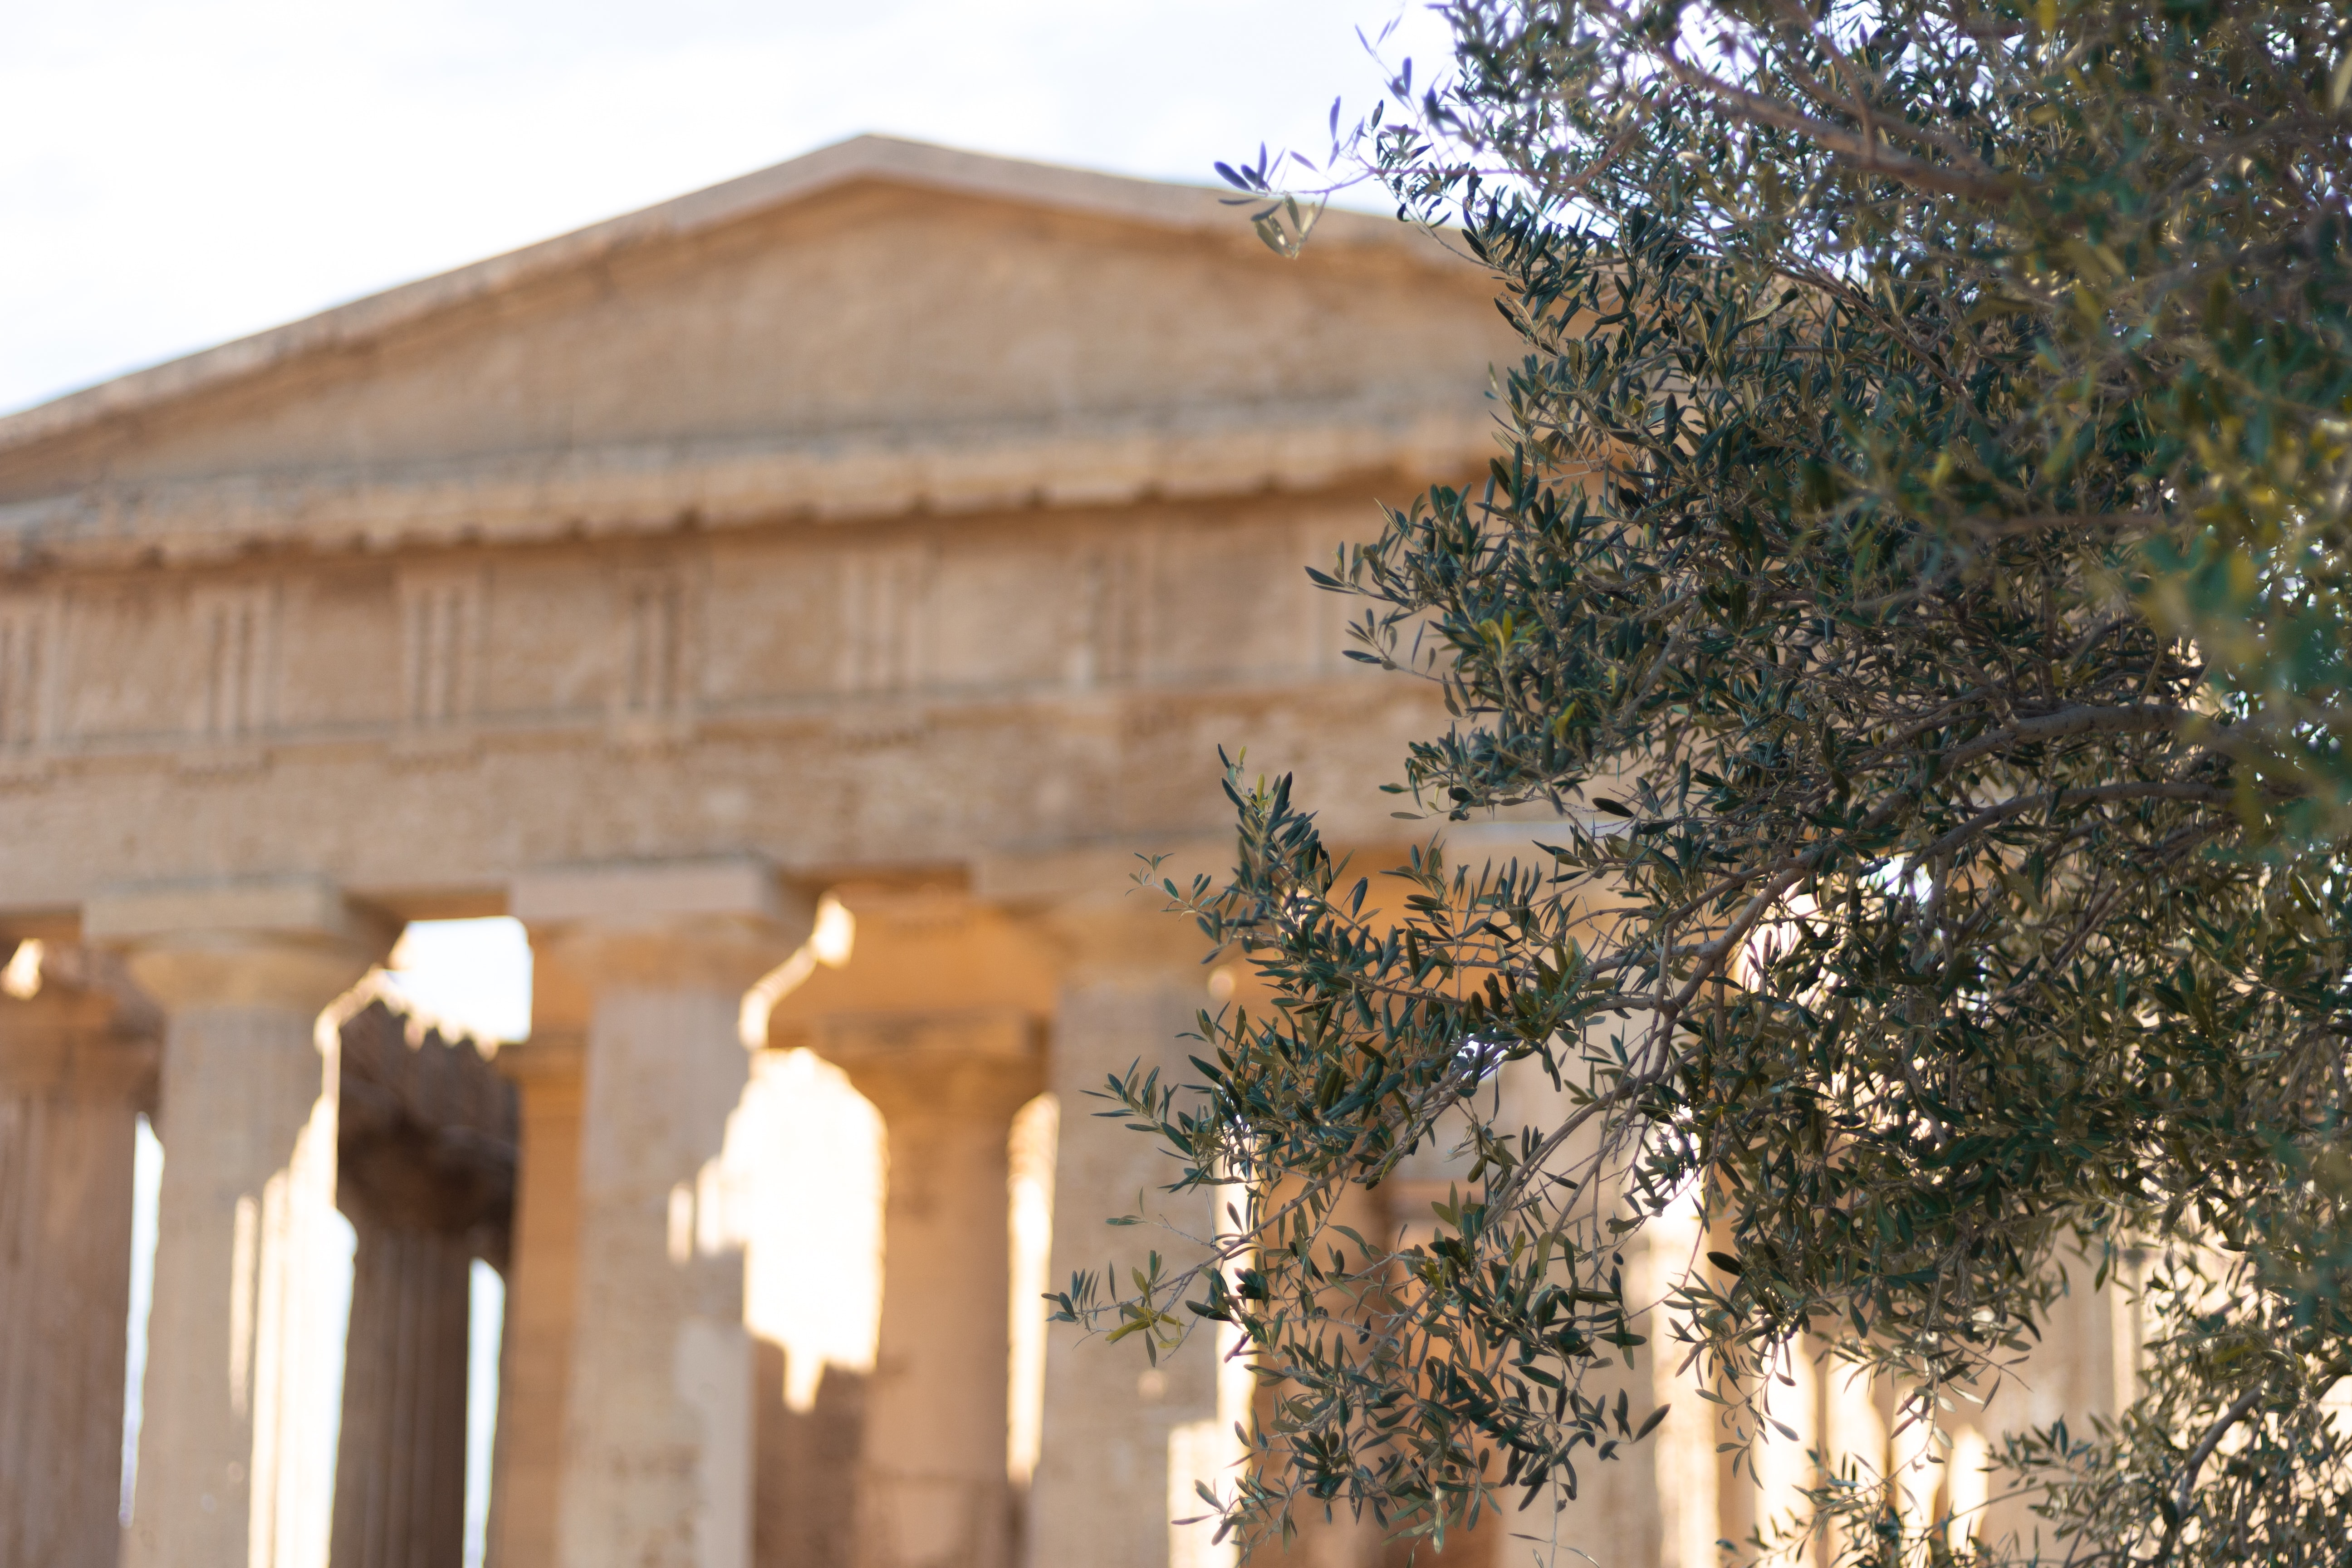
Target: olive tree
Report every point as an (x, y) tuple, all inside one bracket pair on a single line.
[(1912, 585)]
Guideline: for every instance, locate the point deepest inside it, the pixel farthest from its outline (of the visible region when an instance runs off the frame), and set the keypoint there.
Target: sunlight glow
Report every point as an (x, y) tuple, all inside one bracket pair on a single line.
[(21, 978), (1783, 1463), (1970, 1485), (486, 1307), (803, 1165), (1036, 1127), (830, 944), (146, 1193), (299, 1290)]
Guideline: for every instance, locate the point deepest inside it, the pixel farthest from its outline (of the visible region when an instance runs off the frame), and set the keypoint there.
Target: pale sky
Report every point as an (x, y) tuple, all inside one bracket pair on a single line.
[(176, 172)]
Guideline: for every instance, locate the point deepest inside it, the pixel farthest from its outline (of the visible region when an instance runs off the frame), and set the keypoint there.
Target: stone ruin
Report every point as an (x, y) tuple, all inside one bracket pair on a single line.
[(797, 604)]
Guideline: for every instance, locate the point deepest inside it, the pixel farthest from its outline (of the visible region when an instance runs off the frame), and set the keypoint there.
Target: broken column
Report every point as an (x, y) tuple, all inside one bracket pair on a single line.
[(77, 1066), (656, 1466), (234, 1444)]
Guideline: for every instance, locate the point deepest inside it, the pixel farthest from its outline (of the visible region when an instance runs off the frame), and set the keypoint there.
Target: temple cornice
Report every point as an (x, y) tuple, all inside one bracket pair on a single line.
[(654, 486)]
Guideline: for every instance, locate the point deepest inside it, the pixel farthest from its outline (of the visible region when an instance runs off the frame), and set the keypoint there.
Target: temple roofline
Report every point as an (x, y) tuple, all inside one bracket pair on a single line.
[(884, 159)]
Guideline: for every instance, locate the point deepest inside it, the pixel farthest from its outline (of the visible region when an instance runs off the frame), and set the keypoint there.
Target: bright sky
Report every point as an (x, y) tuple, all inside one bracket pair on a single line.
[(473, 974), (176, 173)]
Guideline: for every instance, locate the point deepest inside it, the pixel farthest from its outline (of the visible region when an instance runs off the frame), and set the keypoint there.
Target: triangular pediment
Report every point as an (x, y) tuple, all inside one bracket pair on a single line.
[(877, 327)]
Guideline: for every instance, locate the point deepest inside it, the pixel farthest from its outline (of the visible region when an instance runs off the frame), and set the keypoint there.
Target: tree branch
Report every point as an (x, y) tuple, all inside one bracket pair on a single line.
[(2063, 723), (1856, 151), (1994, 814), (2184, 1501)]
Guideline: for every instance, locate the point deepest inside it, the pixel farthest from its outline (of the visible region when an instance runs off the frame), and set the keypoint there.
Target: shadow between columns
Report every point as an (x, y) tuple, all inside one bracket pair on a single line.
[(804, 1507)]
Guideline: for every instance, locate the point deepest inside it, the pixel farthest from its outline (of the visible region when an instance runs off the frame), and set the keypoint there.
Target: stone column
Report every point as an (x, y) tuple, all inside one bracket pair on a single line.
[(542, 1289), (656, 1469), (426, 1155), (77, 1064), (2082, 1367), (1120, 1438), (400, 1483), (933, 1490), (232, 1456), (1656, 1503)]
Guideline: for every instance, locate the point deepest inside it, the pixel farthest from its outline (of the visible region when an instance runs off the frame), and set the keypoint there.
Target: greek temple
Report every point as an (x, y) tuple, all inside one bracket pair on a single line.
[(797, 604)]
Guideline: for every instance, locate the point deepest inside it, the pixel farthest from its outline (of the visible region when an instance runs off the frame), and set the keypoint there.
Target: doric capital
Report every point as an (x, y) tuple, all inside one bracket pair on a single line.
[(293, 943), (664, 925), (554, 1054), (71, 1021), (1101, 922), (984, 1063)]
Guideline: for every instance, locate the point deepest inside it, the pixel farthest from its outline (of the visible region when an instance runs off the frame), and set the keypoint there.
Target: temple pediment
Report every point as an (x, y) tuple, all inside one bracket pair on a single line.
[(876, 328)]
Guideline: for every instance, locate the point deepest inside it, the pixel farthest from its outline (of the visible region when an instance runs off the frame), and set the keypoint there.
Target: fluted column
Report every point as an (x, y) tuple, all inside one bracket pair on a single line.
[(933, 1490), (426, 1147), (1121, 1441), (232, 1458), (656, 1469), (75, 1064), (400, 1486)]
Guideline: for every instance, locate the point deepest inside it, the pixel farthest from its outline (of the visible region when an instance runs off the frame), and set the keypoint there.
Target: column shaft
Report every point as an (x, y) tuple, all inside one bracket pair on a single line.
[(2080, 1369), (653, 961), (1654, 1504), (233, 1445), (657, 1463), (933, 1490), (426, 1172), (69, 1103), (400, 1481), (1102, 1489), (543, 1290)]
